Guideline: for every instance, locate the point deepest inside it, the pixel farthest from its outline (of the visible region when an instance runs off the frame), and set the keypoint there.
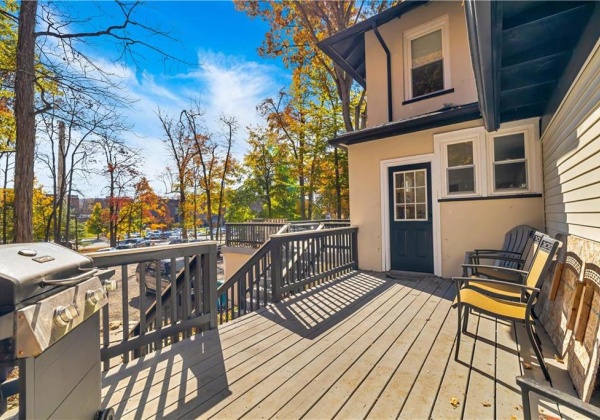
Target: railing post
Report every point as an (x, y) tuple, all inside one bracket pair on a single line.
[(276, 268), (210, 275), (354, 245)]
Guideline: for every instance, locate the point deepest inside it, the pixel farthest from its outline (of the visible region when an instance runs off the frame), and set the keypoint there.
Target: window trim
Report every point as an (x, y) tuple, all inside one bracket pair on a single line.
[(442, 23), (477, 137)]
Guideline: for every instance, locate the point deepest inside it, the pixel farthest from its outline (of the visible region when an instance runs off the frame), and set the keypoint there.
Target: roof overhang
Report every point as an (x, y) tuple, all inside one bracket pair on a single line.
[(526, 54), (347, 48), (443, 117)]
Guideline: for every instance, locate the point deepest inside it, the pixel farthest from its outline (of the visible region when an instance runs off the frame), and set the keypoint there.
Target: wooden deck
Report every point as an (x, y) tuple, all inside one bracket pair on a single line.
[(365, 345)]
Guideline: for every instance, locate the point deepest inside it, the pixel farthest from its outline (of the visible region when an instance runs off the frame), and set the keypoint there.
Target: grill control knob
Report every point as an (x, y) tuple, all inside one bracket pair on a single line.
[(94, 296), (110, 285), (65, 314)]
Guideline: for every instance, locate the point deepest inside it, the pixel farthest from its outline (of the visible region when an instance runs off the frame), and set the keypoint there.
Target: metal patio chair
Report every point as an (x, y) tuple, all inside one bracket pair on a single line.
[(472, 299), (516, 244)]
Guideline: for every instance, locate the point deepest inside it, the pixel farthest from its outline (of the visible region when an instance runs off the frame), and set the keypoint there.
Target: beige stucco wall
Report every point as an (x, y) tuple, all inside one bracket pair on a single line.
[(364, 161), (467, 225), (461, 70), (234, 258)]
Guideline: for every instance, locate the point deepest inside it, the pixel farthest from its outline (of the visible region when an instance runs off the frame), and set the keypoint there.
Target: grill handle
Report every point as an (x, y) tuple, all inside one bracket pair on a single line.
[(70, 281)]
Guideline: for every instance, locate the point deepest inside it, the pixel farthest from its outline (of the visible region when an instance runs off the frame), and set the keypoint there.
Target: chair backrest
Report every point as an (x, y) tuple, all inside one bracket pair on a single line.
[(518, 240), (536, 238), (541, 261)]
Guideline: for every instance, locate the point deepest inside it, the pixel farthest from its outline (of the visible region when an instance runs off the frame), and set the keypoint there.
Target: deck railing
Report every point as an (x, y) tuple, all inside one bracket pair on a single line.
[(254, 234), (166, 293), (285, 264), (250, 235)]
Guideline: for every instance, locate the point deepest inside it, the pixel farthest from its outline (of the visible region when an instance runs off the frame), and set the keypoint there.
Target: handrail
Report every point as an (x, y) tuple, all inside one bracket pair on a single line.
[(529, 385), (174, 316), (285, 264)]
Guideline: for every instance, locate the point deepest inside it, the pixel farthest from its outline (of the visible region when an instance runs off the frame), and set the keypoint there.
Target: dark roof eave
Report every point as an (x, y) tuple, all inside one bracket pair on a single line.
[(328, 45), (455, 115)]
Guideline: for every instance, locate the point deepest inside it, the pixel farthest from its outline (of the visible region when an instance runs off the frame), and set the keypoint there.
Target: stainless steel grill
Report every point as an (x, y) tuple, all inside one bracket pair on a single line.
[(49, 324)]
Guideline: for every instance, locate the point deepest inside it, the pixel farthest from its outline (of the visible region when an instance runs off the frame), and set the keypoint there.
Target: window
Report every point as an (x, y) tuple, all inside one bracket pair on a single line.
[(475, 163), (461, 168), (426, 57), (410, 195), (461, 161), (510, 163)]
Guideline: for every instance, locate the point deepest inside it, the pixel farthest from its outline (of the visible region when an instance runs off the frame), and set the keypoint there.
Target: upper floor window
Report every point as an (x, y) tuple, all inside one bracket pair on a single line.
[(426, 58)]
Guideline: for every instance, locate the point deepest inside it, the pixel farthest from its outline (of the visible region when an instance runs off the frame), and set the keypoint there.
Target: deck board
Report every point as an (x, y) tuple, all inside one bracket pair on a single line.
[(364, 345)]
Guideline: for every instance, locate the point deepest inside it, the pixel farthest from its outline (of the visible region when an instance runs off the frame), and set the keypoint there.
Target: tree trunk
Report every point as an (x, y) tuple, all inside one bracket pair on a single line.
[(4, 204), (25, 122)]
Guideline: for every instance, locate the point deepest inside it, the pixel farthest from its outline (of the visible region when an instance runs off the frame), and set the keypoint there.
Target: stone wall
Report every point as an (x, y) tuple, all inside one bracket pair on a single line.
[(559, 315)]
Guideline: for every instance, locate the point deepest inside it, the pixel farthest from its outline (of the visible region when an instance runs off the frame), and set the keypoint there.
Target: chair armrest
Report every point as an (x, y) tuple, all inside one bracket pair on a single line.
[(529, 385), (499, 251), (496, 257), (458, 280), (494, 267)]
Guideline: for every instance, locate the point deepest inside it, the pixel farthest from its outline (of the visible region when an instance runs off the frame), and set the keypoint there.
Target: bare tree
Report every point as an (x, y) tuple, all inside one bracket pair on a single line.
[(121, 163), (181, 149), (68, 130), (231, 127), (63, 66)]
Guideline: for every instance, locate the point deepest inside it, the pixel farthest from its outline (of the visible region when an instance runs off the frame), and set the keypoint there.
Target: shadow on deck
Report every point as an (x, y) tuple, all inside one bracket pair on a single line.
[(363, 345)]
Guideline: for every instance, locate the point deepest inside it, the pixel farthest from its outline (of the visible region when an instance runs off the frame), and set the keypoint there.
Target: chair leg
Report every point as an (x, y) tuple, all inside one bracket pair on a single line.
[(536, 349), (466, 319), (458, 332)]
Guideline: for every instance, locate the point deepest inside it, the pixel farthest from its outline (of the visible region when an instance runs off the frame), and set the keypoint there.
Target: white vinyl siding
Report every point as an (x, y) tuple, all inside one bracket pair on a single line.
[(571, 155)]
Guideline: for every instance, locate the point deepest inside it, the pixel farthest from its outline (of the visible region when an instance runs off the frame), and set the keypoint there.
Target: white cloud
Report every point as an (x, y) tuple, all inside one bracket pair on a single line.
[(223, 84)]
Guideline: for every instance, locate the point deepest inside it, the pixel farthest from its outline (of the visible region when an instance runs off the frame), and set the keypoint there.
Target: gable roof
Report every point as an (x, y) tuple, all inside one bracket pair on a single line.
[(347, 47)]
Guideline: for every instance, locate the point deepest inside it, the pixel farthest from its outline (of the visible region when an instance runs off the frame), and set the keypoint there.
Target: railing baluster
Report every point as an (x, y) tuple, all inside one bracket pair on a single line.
[(198, 309), (142, 268), (187, 292), (159, 307), (125, 307), (175, 297)]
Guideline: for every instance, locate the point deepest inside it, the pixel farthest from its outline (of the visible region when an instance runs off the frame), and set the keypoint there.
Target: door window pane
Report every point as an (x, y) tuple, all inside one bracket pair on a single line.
[(461, 180), (400, 195), (421, 211), (410, 212), (399, 180), (421, 195), (400, 213)]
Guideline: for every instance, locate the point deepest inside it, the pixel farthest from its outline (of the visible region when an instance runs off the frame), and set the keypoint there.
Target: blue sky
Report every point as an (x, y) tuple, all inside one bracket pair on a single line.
[(222, 70)]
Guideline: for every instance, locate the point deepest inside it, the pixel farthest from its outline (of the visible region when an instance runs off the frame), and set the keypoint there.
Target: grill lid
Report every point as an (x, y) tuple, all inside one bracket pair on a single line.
[(25, 267)]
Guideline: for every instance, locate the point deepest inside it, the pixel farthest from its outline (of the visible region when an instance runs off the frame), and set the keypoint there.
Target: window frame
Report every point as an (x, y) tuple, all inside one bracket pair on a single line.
[(477, 137), (483, 153), (408, 36), (395, 203), (531, 161)]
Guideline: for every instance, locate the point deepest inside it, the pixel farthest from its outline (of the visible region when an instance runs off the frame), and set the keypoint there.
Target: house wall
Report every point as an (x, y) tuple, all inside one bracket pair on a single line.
[(234, 258), (481, 224), (461, 70), (571, 155)]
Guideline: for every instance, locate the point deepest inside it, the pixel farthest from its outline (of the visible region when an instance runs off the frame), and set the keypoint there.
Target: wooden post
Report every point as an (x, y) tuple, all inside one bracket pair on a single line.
[(276, 268), (354, 245), (210, 275)]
